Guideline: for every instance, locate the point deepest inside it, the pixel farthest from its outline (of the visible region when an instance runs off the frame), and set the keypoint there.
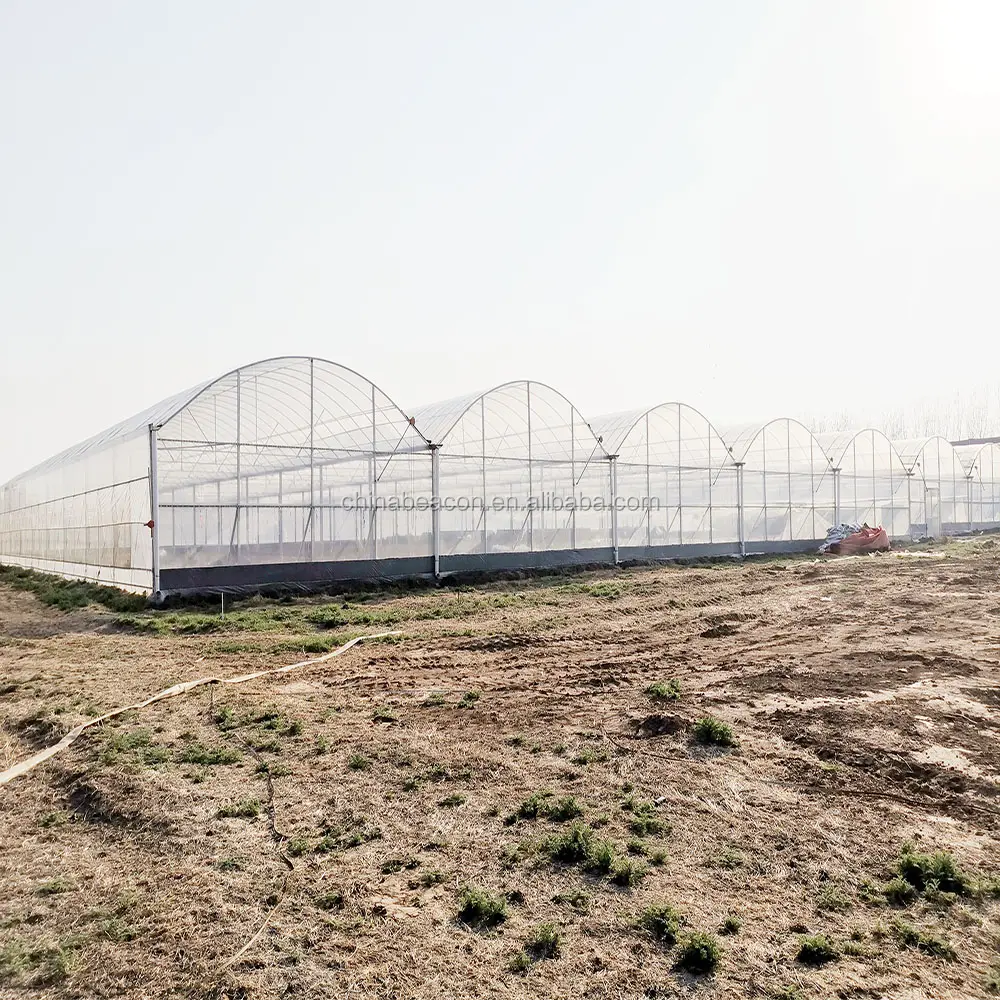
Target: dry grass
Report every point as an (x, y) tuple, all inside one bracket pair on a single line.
[(321, 835)]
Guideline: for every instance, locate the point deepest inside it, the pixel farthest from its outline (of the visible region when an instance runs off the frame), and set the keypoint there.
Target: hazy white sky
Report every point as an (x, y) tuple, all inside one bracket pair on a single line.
[(635, 202)]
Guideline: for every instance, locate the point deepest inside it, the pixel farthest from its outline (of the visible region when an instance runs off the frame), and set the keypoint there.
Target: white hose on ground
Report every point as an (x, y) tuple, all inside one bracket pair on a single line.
[(32, 762)]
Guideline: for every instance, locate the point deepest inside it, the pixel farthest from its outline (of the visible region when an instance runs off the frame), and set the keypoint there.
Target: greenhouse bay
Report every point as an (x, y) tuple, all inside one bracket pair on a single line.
[(298, 471)]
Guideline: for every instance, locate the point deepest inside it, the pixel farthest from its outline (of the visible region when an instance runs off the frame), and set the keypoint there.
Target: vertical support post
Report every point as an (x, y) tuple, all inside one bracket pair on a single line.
[(812, 482), (763, 476), (154, 511), (711, 526), (680, 482), (739, 509), (649, 511), (909, 504), (374, 525), (788, 443), (239, 457), (968, 500), (531, 505), (281, 517), (482, 421), (572, 475), (875, 514), (312, 463), (836, 496), (613, 472), (322, 519), (436, 507)]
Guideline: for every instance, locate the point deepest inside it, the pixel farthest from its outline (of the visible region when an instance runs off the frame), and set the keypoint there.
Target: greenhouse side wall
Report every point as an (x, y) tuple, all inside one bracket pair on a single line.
[(84, 517)]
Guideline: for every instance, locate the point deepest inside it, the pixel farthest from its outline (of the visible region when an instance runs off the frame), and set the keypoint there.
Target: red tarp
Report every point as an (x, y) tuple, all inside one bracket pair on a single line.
[(865, 540)]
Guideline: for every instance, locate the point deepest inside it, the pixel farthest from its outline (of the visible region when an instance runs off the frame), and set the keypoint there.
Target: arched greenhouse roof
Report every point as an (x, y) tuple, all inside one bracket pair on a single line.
[(124, 429), (501, 418), (345, 403), (290, 401), (618, 429), (741, 438), (837, 444), (911, 450), (972, 455)]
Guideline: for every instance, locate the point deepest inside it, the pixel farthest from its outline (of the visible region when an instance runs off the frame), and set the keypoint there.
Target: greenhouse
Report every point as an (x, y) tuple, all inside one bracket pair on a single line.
[(300, 472)]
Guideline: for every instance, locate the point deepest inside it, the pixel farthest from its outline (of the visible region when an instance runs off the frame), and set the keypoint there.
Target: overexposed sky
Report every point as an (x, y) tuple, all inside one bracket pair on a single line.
[(718, 202)]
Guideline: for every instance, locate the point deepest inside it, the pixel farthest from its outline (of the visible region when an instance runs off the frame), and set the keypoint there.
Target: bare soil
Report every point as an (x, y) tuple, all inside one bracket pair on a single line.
[(864, 695)]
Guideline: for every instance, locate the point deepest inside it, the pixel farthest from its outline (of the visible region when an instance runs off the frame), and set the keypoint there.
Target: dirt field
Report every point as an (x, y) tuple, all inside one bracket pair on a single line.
[(862, 694)]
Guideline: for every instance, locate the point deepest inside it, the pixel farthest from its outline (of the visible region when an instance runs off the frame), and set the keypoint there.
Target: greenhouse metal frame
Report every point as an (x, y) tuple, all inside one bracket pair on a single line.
[(297, 471)]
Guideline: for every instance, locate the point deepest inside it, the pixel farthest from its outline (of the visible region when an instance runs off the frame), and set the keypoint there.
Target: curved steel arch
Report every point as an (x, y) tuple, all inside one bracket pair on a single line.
[(911, 458), (751, 432), (847, 438), (617, 421), (440, 419), (969, 454), (166, 409), (200, 390)]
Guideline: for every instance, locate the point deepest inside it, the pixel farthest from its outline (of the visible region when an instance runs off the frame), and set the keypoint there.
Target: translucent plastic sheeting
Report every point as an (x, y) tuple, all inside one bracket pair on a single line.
[(520, 471), (291, 460), (84, 517), (302, 461), (788, 482), (936, 466), (676, 481), (982, 467), (872, 482)]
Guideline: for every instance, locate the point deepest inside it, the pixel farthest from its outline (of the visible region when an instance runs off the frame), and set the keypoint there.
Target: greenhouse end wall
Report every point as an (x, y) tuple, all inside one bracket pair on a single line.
[(299, 471)]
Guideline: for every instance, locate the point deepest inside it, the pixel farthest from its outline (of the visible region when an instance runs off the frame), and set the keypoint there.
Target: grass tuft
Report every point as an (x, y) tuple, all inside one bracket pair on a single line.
[(277, 769), (564, 809), (246, 809), (133, 746), (628, 874), (909, 936), (531, 808), (938, 870), (669, 690), (816, 949), (297, 846), (574, 847), (519, 963), (830, 898), (481, 909), (698, 953), (544, 942), (208, 756), (661, 922), (713, 732), (590, 755), (899, 892), (577, 899)]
